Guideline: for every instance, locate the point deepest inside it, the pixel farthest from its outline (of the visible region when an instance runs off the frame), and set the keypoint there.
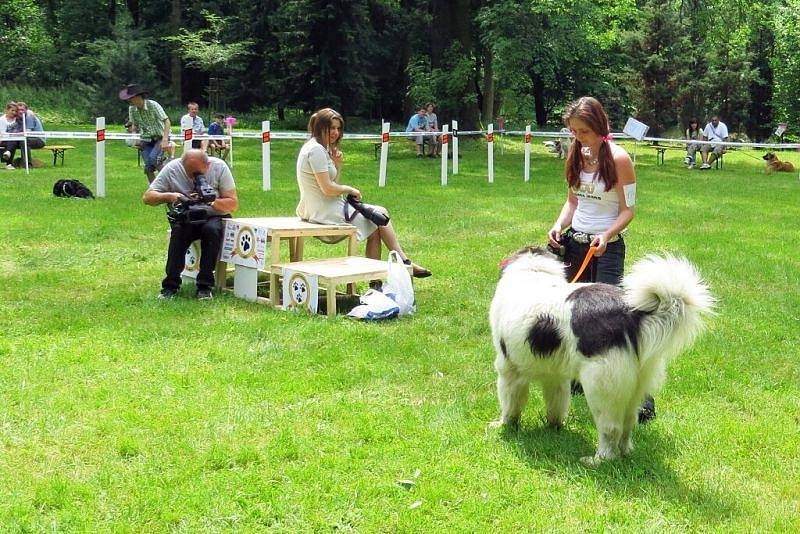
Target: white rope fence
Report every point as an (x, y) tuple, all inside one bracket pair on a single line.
[(449, 139)]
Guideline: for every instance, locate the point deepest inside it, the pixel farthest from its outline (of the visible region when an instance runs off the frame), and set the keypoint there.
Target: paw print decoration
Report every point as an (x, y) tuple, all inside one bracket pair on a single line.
[(298, 291), (245, 242)]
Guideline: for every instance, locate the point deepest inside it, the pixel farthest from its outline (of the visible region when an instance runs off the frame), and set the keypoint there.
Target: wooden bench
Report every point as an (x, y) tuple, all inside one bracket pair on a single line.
[(661, 149), (245, 245), (334, 272), (58, 152)]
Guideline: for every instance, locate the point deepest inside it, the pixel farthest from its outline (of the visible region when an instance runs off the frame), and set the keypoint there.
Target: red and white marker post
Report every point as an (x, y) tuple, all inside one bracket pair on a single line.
[(100, 156), (188, 133), (266, 157), (528, 153), (384, 154), (490, 149), (445, 144), (454, 137)]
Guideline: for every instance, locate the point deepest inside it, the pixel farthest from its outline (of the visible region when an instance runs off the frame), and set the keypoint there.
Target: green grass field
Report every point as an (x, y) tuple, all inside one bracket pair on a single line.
[(119, 412)]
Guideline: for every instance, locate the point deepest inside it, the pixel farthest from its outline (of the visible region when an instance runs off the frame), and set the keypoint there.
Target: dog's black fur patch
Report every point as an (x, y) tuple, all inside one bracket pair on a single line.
[(544, 337), (601, 320), (503, 348)]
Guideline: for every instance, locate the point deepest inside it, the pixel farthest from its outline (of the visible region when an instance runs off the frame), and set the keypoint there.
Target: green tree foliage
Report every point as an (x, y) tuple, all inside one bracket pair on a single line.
[(25, 44), (111, 63), (786, 63)]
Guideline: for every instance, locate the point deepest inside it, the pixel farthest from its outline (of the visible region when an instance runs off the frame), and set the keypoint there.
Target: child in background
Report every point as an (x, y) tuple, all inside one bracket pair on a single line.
[(218, 145)]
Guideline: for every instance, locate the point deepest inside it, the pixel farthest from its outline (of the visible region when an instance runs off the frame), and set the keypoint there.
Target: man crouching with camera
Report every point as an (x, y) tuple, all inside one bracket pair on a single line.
[(200, 191)]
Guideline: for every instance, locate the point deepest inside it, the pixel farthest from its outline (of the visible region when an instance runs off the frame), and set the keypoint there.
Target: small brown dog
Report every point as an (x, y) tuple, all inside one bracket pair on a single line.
[(774, 164)]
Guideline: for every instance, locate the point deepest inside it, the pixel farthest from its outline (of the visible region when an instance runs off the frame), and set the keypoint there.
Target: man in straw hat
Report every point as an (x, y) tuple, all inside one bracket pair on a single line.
[(150, 119)]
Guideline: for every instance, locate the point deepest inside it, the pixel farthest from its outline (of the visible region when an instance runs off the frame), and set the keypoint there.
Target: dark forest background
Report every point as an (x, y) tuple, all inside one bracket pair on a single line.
[(662, 61)]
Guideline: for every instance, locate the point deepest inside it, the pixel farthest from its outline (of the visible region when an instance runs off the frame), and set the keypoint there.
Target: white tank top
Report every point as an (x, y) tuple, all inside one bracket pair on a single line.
[(597, 208)]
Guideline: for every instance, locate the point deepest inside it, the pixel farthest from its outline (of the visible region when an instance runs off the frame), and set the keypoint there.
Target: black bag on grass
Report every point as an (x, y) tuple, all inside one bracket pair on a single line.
[(71, 188)]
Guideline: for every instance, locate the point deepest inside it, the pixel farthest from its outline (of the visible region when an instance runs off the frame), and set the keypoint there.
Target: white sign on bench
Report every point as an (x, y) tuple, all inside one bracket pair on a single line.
[(300, 291)]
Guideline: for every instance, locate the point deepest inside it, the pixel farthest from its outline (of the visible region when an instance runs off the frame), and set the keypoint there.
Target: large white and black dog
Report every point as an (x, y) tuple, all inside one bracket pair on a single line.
[(615, 340)]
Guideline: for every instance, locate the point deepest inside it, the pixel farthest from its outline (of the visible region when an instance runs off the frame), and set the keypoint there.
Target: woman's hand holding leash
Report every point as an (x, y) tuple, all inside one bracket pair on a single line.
[(599, 243), (554, 235)]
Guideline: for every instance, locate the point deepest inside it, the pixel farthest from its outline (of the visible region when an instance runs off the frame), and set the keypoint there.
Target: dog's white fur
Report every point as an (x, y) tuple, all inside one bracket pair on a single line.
[(672, 299)]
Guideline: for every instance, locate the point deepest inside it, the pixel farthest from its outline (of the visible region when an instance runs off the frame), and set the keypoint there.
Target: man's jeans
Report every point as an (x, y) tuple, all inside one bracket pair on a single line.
[(151, 153), (210, 235)]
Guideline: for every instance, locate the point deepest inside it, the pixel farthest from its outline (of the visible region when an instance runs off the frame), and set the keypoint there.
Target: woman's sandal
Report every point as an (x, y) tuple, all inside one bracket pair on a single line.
[(417, 271)]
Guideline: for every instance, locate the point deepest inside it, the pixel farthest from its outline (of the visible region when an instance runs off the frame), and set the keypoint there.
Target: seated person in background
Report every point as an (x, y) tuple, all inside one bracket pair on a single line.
[(418, 123), (10, 124), (322, 195), (216, 128), (32, 124), (433, 126), (715, 130), (179, 180), (193, 120), (693, 133)]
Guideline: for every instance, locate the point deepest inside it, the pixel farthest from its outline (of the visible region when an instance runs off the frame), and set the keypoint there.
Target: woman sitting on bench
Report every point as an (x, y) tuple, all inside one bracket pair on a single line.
[(322, 196)]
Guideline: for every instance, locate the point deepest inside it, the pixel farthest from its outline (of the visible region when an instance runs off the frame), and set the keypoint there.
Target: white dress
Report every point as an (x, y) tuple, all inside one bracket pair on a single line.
[(314, 205)]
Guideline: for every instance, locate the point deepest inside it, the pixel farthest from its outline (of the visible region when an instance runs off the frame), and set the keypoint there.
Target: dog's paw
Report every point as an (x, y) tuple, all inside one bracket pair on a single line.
[(592, 461), (496, 424), (626, 448)]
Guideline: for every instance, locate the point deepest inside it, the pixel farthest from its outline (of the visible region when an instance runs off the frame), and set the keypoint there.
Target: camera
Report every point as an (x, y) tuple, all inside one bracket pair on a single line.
[(368, 211), (205, 193), (197, 209)]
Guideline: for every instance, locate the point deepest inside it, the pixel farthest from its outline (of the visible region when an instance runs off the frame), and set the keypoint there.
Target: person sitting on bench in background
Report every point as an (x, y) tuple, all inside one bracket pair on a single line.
[(10, 124), (148, 117), (216, 128), (322, 195), (418, 123), (693, 133), (181, 180), (32, 124), (715, 130)]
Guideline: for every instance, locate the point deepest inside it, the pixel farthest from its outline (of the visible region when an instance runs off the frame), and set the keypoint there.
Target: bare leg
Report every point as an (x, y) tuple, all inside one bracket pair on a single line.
[(374, 246)]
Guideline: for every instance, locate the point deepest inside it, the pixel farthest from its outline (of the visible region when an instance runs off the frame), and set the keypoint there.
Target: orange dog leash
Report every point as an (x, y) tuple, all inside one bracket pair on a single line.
[(586, 260)]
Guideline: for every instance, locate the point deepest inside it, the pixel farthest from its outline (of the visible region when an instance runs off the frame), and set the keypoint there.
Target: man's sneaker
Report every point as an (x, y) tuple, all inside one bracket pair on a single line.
[(10, 167), (687, 160), (705, 166), (167, 294), (6, 155), (204, 294)]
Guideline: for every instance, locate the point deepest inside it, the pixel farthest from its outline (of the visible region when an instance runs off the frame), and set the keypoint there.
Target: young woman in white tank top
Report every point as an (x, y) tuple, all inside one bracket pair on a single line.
[(601, 195)]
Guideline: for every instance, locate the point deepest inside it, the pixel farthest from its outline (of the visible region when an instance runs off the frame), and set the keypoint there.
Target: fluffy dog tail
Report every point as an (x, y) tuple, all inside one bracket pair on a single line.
[(674, 301)]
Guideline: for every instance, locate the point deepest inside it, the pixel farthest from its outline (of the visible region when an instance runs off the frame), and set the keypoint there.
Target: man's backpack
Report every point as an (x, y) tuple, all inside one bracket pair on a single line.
[(71, 188)]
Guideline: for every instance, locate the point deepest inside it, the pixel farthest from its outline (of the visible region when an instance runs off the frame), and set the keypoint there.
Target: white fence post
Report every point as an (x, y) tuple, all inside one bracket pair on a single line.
[(100, 156), (445, 143), (266, 177), (384, 153), (188, 133), (454, 136), (490, 149), (528, 153)]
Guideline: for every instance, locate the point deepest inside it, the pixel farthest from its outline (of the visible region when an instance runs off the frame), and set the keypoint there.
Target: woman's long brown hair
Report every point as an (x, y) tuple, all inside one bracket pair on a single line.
[(320, 124), (591, 112)]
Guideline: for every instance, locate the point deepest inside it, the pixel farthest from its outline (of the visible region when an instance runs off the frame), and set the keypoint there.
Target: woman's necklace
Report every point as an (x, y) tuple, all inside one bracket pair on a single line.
[(587, 156)]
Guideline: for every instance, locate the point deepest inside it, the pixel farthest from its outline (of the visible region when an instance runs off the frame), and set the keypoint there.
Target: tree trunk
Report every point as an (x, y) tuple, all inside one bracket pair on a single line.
[(175, 59), (112, 12), (487, 113), (539, 100), (133, 9)]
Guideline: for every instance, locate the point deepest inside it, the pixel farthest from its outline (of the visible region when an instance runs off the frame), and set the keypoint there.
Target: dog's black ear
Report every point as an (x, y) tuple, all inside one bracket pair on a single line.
[(768, 155)]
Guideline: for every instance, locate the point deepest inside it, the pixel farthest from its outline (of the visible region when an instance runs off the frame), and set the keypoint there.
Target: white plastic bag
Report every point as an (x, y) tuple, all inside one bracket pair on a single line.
[(398, 285), (375, 306)]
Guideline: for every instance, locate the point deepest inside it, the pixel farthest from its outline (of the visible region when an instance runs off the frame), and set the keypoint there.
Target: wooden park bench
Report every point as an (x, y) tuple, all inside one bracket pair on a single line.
[(329, 273), (58, 152), (661, 149)]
